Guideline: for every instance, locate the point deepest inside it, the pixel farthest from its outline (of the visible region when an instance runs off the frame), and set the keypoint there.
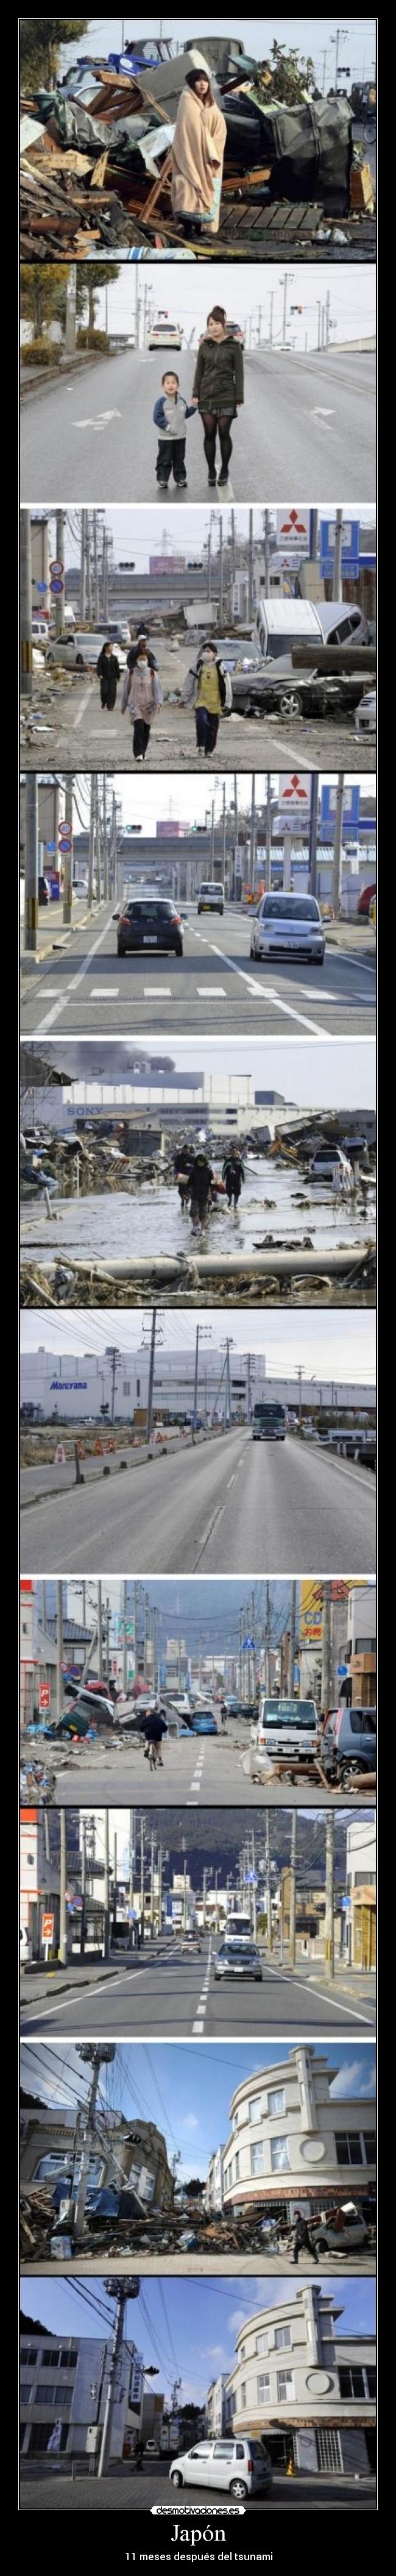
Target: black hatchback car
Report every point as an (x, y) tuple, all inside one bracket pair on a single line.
[(149, 921)]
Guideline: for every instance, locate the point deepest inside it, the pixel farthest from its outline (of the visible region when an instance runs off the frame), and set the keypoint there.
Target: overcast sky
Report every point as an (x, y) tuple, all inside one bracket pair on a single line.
[(145, 801), (195, 2317), (313, 36), (339, 1346), (186, 294), (137, 536), (320, 1073), (193, 2117)]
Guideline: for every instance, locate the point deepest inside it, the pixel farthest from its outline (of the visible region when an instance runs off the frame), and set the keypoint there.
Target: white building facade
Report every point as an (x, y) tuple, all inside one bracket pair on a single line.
[(294, 2372), (293, 2145), (74, 1387), (64, 2383)]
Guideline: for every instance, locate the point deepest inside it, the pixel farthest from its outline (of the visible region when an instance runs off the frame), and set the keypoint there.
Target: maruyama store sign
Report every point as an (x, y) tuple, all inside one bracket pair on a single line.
[(69, 1385)]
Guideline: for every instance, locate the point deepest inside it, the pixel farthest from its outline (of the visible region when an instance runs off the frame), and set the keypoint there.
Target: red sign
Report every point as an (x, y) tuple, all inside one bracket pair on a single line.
[(47, 1927), (44, 1695)]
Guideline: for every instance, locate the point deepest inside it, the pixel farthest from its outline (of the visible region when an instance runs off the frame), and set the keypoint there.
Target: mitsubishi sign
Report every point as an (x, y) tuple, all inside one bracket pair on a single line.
[(294, 799), (293, 529)]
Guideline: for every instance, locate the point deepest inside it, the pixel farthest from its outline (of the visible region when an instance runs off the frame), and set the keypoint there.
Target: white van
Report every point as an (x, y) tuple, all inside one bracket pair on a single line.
[(287, 1728), (238, 1927), (241, 2466), (280, 623)]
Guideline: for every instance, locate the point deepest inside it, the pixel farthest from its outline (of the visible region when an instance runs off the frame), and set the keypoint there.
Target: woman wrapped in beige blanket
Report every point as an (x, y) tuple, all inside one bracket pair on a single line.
[(197, 156)]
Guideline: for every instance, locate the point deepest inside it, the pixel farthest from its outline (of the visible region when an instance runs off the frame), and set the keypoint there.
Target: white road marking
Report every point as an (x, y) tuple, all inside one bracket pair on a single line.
[(291, 1979), (320, 413), (157, 992), (50, 1016), (254, 987), (211, 993), (81, 710), (99, 992)]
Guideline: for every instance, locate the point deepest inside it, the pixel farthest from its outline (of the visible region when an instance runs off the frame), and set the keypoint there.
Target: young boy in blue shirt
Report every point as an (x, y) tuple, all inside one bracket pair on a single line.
[(170, 415)]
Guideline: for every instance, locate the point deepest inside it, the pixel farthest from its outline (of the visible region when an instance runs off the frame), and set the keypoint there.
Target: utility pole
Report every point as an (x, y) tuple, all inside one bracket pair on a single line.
[(337, 850), (69, 344), (271, 317), (100, 1634), (83, 1883), (67, 860), (268, 1879), (313, 830), (196, 1378), (286, 282), (233, 545), (121, 2291), (329, 1913), (124, 1638), (91, 843), (105, 847), (337, 568), (267, 525), (152, 1887), (25, 604), (31, 859), (60, 555), (292, 1638), (210, 558), (142, 1834), (220, 570), (292, 1932), (151, 1374), (59, 1649), (267, 1640), (268, 835), (326, 1648), (106, 1920), (212, 839), (88, 559), (62, 1890), (97, 841), (251, 568), (131, 1858), (253, 828), (83, 565), (94, 2057), (254, 1890), (95, 567), (154, 1621)]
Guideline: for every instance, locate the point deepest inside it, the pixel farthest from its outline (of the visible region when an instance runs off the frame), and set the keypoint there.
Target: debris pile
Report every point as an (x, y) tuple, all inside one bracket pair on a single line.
[(95, 158)]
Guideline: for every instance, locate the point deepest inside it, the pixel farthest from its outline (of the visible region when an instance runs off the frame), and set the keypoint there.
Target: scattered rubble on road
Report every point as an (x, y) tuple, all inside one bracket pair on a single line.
[(95, 161)]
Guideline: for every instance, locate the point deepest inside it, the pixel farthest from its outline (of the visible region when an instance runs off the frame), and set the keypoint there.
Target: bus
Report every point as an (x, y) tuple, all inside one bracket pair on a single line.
[(269, 1422), (238, 1927)]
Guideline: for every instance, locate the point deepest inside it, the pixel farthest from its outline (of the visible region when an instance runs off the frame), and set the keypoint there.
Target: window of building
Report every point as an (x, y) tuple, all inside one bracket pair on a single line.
[(263, 2388), (351, 2383), (282, 2338), (243, 2392), (256, 2107), (26, 2391), (371, 2376), (280, 2159), (40, 2434), (242, 2354), (49, 2393), (285, 2386), (29, 2356), (348, 2148), (126, 1387), (276, 2103), (257, 2159), (262, 2343), (370, 2147), (329, 2451), (236, 2169)]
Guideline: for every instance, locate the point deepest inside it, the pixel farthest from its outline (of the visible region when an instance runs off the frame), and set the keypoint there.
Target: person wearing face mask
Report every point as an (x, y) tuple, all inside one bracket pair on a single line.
[(197, 156), (142, 695), (218, 389), (108, 672), (212, 694)]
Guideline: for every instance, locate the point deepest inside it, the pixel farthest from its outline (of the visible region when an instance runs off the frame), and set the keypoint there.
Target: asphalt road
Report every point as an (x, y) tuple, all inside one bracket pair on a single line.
[(231, 1506), (94, 432), (175, 1997), (202, 1771), (84, 987), (43, 2493), (66, 727)]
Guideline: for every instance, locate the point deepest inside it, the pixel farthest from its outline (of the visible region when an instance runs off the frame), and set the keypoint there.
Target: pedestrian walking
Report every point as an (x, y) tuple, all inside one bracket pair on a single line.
[(142, 695), (233, 1174), (108, 672), (197, 156), (200, 1186), (132, 656), (219, 390), (212, 694), (302, 2241), (170, 415)]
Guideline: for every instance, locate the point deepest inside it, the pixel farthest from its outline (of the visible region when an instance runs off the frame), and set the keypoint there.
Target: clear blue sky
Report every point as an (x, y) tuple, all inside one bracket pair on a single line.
[(173, 2319), (160, 2082)]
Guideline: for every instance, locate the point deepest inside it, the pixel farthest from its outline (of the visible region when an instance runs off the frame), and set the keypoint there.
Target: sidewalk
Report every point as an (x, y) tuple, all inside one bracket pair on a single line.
[(58, 936), (355, 935)]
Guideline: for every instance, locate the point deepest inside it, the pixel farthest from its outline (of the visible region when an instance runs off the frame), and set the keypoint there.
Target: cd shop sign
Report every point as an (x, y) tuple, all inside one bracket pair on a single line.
[(68, 1385)]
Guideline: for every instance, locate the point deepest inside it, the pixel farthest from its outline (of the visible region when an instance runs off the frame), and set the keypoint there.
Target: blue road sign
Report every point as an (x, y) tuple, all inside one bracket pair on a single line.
[(350, 546)]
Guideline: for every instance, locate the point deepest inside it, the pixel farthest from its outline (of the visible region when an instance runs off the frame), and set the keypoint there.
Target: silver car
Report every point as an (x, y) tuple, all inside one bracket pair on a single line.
[(238, 1959), (241, 2466), (288, 925)]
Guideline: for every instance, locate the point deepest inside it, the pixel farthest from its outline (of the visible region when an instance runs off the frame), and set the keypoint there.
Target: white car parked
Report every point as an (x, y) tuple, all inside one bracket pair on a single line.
[(80, 652), (242, 2467)]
